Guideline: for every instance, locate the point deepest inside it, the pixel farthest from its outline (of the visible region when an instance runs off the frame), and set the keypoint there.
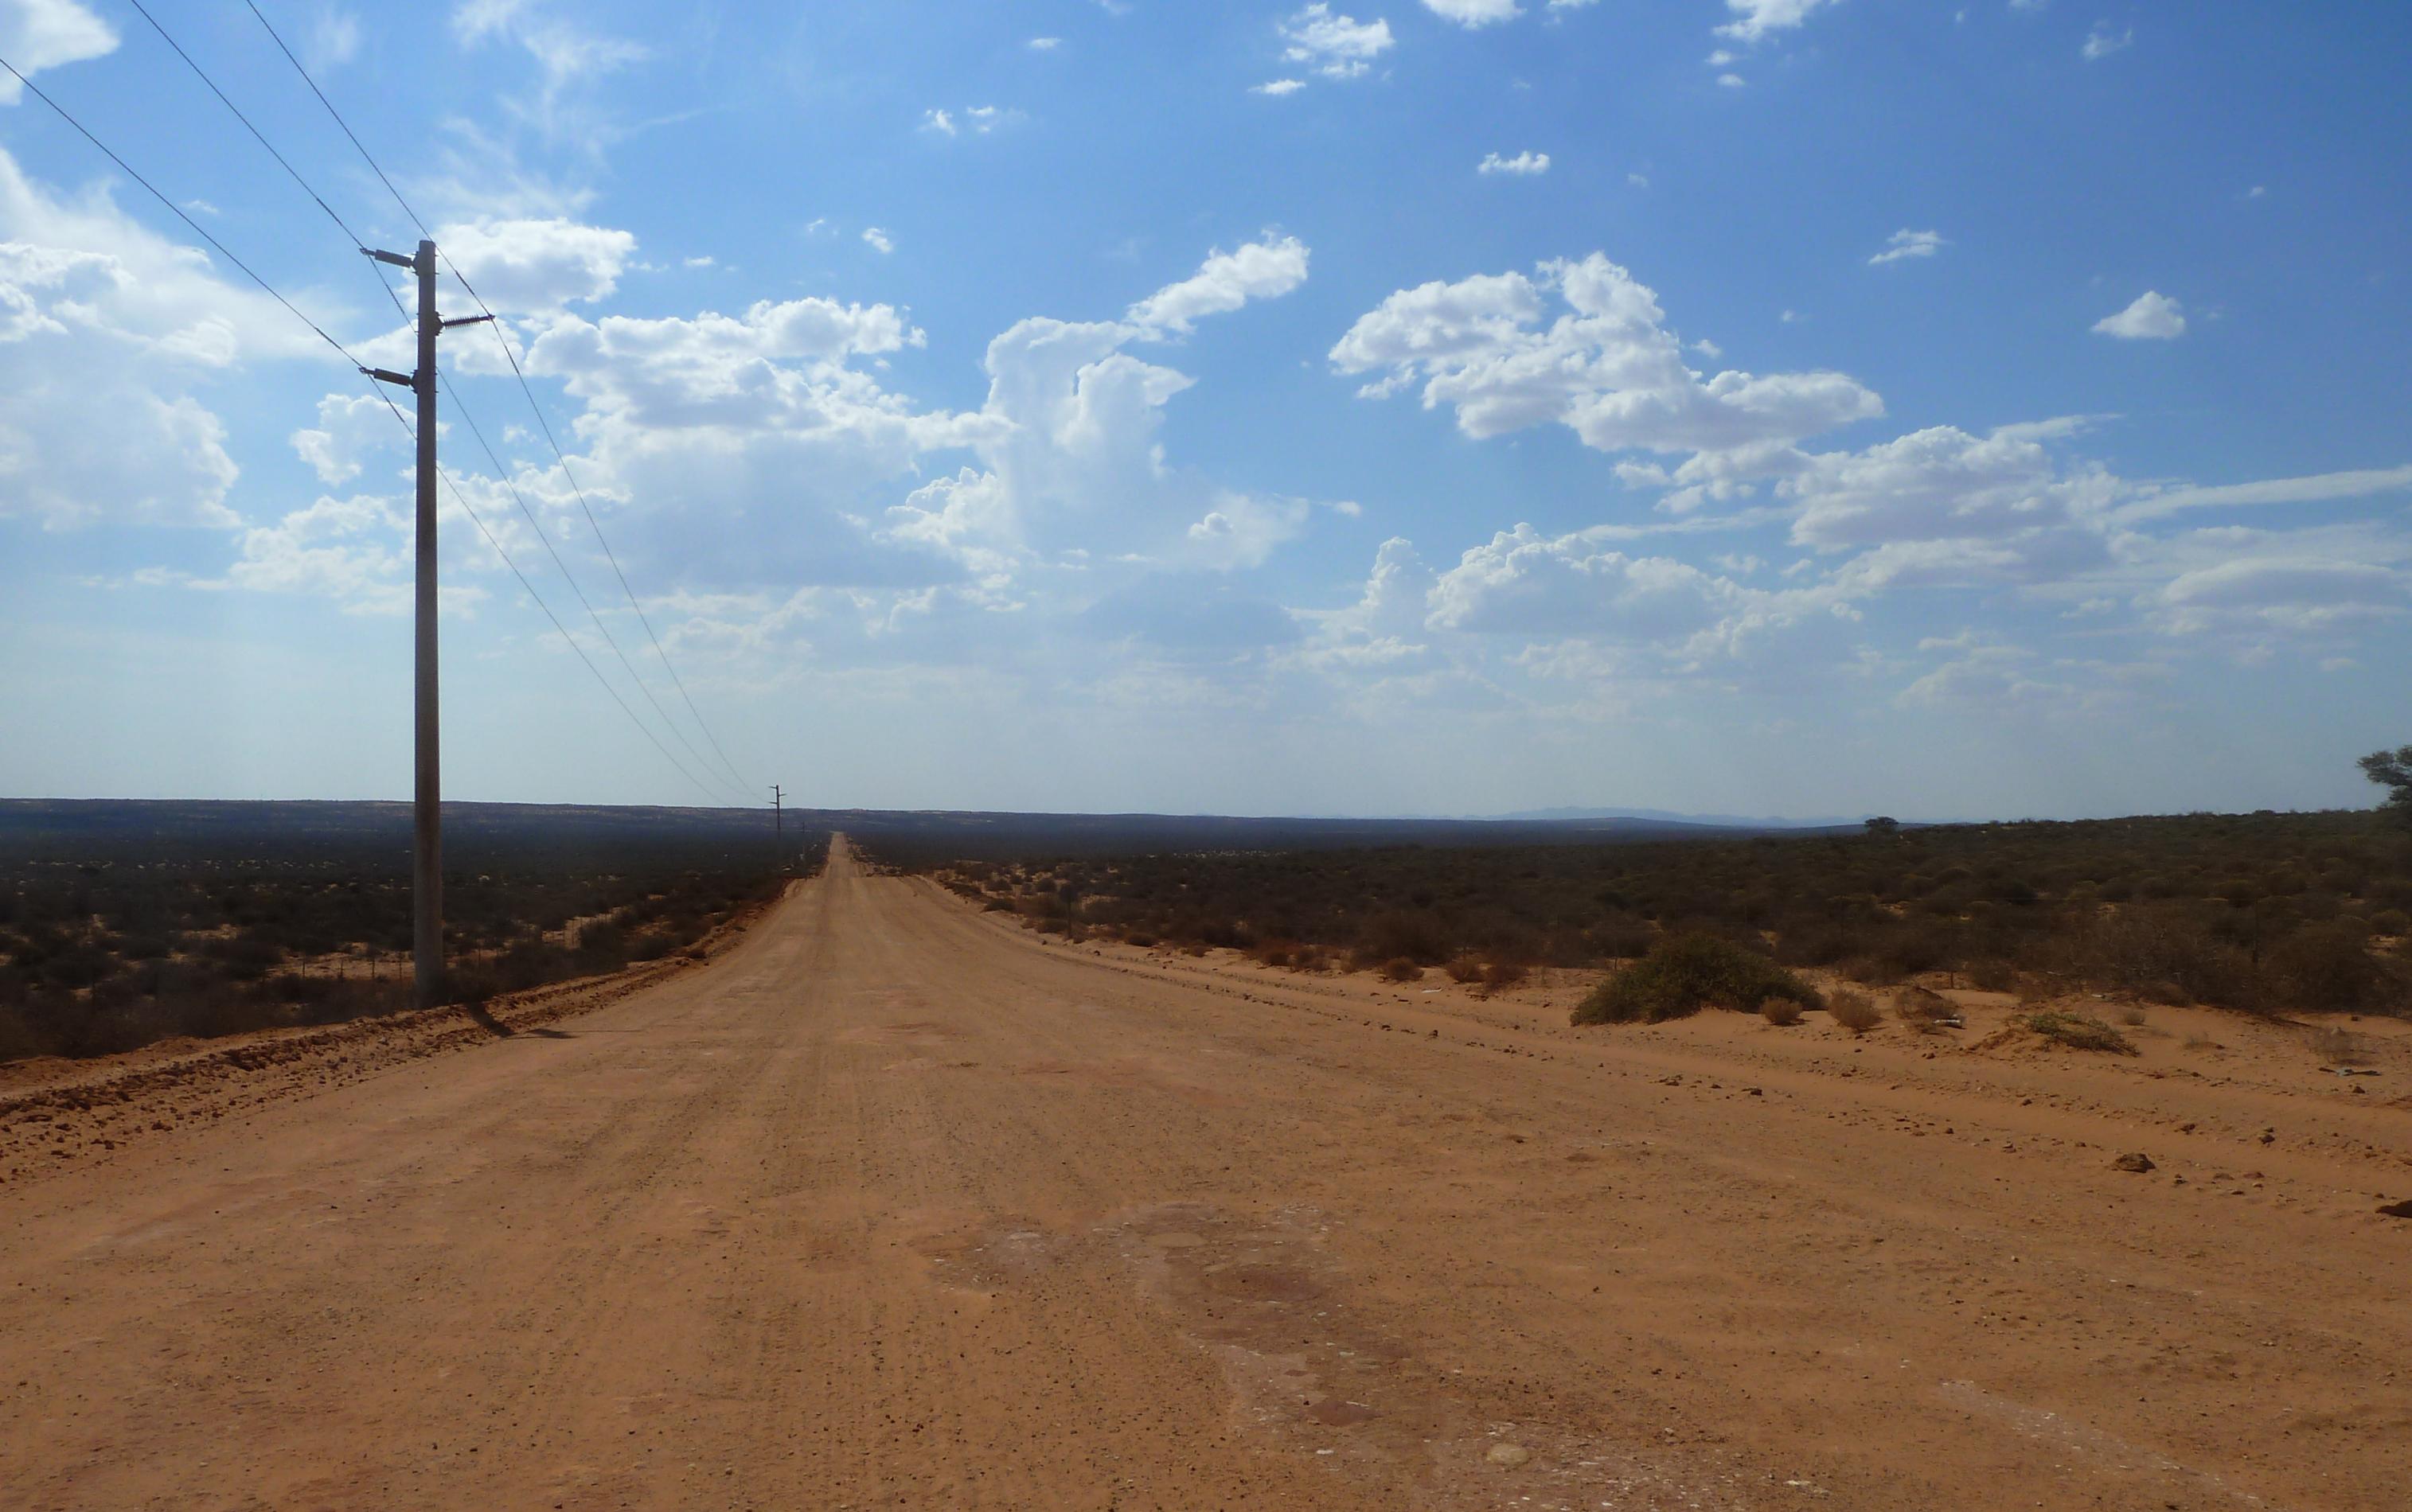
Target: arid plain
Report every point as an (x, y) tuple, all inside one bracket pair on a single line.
[(892, 1203)]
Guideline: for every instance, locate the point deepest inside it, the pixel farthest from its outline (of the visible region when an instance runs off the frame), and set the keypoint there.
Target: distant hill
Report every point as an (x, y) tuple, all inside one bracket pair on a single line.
[(1709, 821)]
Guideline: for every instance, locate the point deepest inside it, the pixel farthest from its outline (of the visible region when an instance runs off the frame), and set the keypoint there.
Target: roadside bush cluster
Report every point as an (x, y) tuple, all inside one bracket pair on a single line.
[(2264, 912), (109, 941), (1686, 973)]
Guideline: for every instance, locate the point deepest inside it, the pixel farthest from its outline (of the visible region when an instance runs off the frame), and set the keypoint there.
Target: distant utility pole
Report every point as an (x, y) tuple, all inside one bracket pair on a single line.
[(426, 800), (779, 822)]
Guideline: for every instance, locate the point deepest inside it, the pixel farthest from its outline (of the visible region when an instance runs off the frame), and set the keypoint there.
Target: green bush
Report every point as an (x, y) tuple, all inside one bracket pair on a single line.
[(1684, 974)]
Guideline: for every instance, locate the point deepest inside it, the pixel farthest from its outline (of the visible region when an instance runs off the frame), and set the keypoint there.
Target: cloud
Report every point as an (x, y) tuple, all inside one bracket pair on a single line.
[(1606, 368), (1278, 87), (521, 266), (108, 332), (1044, 44), (1226, 281), (1522, 582), (2311, 490), (332, 39), (1523, 164), (1942, 505), (2101, 42), (2281, 589), (350, 426), (566, 55), (877, 240), (980, 119), (1987, 676), (1757, 20), (2153, 317), (35, 35), (1242, 530), (1475, 13), (1908, 244), (1335, 46)]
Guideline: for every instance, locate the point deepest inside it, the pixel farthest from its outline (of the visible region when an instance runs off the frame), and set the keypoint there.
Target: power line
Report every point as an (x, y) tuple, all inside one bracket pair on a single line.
[(204, 78), (542, 423), (517, 497), (341, 351), (458, 404), (178, 211)]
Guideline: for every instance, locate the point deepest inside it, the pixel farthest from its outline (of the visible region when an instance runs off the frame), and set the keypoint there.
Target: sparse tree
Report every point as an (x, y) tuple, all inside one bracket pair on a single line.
[(1884, 826), (2392, 770)]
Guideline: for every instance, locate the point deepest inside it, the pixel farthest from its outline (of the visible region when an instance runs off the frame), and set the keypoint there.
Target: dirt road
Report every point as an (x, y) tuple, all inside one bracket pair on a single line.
[(896, 1205)]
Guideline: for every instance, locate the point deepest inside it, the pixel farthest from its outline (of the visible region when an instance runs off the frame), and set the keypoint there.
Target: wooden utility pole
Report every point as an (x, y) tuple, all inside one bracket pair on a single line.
[(426, 795), (779, 825)]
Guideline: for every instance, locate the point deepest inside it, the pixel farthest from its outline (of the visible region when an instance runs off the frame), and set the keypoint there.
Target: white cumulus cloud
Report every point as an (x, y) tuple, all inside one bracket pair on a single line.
[(1474, 13), (1335, 46), (2102, 41), (1755, 20), (1607, 367), (1226, 281), (35, 35), (1910, 244), (537, 265), (2153, 317), (1523, 164)]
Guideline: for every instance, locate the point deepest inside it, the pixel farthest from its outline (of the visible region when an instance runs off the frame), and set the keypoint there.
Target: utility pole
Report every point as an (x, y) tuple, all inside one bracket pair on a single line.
[(779, 824), (426, 796)]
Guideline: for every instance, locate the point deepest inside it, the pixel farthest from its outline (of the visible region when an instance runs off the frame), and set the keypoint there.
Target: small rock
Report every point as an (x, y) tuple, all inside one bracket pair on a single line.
[(1508, 1455), (2137, 1162)]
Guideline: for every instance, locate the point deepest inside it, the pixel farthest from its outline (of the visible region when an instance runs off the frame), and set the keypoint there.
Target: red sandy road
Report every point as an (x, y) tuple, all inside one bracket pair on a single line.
[(894, 1205)]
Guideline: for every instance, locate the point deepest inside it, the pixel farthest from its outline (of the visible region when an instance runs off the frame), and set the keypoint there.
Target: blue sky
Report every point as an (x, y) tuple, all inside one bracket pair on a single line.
[(1803, 406)]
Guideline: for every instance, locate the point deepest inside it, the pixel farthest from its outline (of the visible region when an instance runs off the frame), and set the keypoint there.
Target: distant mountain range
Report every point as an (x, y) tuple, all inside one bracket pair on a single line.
[(1706, 821)]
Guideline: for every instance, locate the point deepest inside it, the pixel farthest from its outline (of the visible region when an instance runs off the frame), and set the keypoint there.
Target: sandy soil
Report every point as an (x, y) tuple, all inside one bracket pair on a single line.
[(894, 1204)]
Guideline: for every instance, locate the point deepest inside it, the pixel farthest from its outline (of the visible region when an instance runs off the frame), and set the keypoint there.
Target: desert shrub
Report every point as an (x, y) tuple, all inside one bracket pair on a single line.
[(1498, 975), (1855, 1011), (1620, 937), (2324, 968), (2079, 1032), (78, 965), (1682, 974), (1872, 971), (2391, 921), (1413, 934), (1400, 969), (2338, 1047), (2133, 1015), (18, 1038), (1783, 1012), (1923, 1011), (1465, 968), (1992, 974), (2134, 949)]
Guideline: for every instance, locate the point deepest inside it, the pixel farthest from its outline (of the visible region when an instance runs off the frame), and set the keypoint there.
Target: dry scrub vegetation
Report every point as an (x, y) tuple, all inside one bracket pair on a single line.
[(113, 936), (2268, 913)]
